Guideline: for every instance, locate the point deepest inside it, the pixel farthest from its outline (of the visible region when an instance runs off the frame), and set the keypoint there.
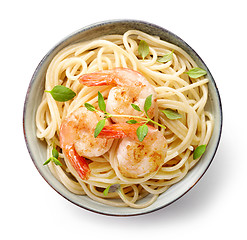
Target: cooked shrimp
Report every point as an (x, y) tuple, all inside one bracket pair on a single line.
[(135, 158), (77, 139), (129, 87)]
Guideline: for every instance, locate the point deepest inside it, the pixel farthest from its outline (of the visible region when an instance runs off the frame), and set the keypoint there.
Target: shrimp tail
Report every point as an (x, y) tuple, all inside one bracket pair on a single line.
[(111, 132), (78, 162), (98, 78), (120, 130)]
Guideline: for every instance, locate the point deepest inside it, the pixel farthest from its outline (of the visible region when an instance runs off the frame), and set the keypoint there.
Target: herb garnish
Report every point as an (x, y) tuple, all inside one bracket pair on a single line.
[(136, 107), (112, 188), (90, 107), (54, 158), (171, 114), (166, 57), (101, 102), (61, 93), (147, 104), (141, 131), (196, 72), (132, 121), (99, 127), (143, 49), (199, 151)]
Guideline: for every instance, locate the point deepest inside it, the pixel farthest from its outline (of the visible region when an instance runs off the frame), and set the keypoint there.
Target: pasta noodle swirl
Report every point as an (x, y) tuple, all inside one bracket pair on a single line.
[(174, 89)]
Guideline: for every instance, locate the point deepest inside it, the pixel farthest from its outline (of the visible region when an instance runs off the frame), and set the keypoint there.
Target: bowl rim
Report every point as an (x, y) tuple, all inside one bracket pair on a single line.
[(86, 28)]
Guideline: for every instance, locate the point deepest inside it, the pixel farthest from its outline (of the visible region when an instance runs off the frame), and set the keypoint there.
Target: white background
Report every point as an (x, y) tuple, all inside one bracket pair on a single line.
[(215, 208)]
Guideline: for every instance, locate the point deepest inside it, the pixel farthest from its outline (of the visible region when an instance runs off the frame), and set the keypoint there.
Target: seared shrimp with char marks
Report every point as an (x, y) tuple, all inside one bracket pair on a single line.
[(137, 159), (129, 87), (78, 141)]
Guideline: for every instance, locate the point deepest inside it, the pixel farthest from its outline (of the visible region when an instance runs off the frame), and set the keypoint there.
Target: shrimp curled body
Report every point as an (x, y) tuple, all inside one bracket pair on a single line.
[(137, 159), (129, 87), (77, 139)]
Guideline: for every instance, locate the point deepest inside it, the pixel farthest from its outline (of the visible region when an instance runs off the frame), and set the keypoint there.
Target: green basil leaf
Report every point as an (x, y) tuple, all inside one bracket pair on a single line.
[(56, 161), (171, 114), (101, 102), (132, 121), (147, 104), (196, 72), (143, 49), (55, 153), (47, 161), (136, 107), (99, 127), (166, 57), (61, 93), (89, 107), (199, 151), (112, 188), (142, 132)]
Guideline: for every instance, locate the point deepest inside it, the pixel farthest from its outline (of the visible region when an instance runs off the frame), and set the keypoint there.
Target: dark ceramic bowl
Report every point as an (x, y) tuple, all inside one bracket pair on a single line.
[(37, 149)]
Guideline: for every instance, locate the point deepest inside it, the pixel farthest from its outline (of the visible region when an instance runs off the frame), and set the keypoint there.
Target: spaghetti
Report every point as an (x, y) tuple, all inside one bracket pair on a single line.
[(175, 90)]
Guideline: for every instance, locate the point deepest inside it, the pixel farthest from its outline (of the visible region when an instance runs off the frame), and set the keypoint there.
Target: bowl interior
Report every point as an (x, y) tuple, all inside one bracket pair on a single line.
[(37, 148)]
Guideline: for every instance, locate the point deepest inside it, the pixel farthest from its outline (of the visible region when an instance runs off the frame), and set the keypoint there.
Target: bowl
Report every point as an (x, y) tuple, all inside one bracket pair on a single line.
[(37, 148)]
